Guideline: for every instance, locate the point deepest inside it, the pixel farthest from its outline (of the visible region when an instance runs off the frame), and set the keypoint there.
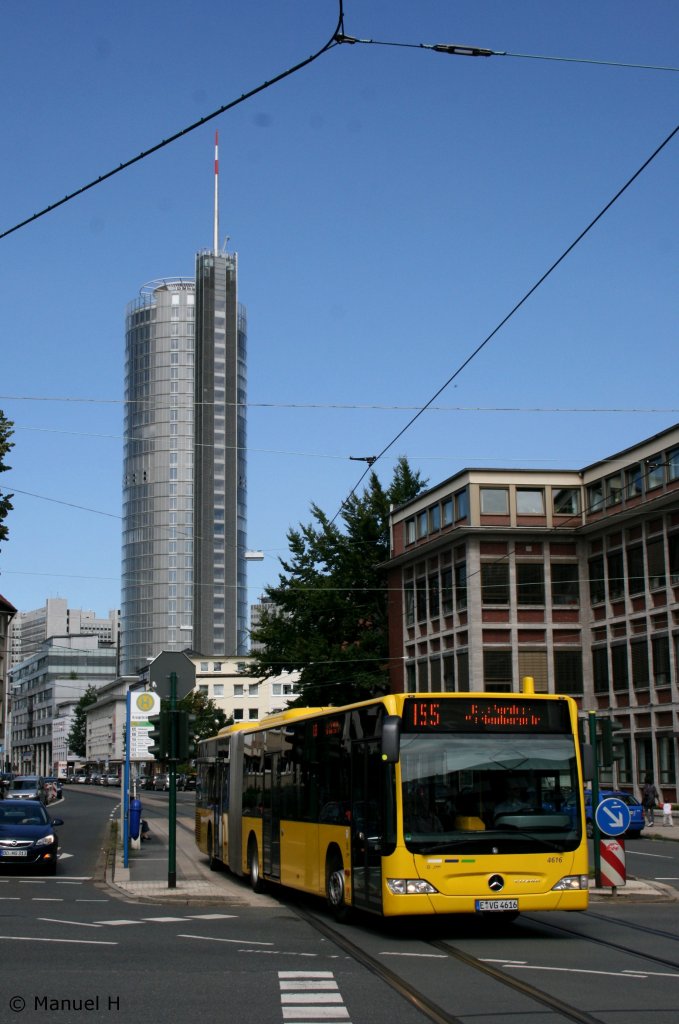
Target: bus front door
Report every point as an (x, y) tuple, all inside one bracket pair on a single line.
[(367, 819)]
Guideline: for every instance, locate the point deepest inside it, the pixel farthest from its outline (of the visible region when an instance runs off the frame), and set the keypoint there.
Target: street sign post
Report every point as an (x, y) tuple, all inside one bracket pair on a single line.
[(167, 664), (612, 816)]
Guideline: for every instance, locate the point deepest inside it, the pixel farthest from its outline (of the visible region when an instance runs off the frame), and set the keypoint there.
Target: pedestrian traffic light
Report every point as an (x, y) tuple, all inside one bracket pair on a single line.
[(159, 734), (612, 745), (186, 746)]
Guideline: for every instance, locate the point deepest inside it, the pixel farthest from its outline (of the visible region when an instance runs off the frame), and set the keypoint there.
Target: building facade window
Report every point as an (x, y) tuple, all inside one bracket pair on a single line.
[(600, 669), (597, 582), (530, 501), (495, 583), (497, 670), (595, 497), (568, 672), (566, 501), (660, 647), (461, 505), (616, 575), (530, 583), (619, 667), (565, 583), (636, 583), (639, 658), (447, 591), (494, 501)]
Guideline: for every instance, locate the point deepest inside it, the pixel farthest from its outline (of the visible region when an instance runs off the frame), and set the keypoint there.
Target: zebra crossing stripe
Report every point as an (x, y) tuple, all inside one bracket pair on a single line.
[(311, 997)]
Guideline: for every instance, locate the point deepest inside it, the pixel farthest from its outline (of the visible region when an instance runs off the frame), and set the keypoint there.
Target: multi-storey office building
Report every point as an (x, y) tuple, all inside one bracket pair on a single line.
[(184, 488), (61, 670), (570, 577), (29, 630)]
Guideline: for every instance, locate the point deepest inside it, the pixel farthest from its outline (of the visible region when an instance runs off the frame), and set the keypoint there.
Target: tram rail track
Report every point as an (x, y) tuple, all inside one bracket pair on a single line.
[(420, 1000)]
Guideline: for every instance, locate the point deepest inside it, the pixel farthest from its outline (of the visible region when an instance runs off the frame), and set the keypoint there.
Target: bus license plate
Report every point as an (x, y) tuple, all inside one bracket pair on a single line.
[(12, 853), (497, 904)]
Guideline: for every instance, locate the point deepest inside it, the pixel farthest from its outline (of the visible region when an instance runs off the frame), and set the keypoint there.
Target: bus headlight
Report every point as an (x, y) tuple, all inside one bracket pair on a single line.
[(572, 882), (409, 887)]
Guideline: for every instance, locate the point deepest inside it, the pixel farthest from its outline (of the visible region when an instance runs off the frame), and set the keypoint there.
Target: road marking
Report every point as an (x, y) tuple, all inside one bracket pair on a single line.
[(163, 920), (577, 970), (424, 956), (78, 942), (10, 897), (666, 878), (47, 899), (81, 924), (637, 853), (301, 1000), (121, 921), (238, 942), (210, 917)]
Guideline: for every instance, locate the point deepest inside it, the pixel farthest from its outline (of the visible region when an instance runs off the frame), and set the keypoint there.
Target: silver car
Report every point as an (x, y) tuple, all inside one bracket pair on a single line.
[(27, 787)]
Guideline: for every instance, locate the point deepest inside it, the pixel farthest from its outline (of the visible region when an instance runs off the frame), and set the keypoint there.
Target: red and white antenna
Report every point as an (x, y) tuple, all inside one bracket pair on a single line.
[(216, 224)]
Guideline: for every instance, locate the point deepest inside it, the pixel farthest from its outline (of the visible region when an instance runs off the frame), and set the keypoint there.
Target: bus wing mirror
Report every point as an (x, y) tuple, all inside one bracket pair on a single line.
[(587, 755), (391, 738)]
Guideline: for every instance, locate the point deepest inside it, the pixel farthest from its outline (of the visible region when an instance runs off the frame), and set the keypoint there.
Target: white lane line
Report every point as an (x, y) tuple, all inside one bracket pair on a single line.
[(210, 917), (577, 970), (77, 942), (423, 956), (47, 899), (121, 921), (4, 898), (637, 853), (81, 924), (238, 942)]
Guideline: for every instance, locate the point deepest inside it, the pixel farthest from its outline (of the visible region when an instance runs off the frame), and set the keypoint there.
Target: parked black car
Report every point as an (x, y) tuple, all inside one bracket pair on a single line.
[(27, 836)]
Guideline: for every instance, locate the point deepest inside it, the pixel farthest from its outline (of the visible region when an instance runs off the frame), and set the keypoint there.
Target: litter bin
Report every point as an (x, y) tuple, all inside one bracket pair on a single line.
[(135, 818)]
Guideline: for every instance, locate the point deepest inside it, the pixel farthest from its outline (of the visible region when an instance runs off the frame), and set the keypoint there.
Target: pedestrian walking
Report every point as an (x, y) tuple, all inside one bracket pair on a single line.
[(667, 813), (650, 798)]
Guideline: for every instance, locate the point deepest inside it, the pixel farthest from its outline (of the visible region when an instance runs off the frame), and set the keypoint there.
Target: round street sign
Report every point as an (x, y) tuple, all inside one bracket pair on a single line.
[(612, 816)]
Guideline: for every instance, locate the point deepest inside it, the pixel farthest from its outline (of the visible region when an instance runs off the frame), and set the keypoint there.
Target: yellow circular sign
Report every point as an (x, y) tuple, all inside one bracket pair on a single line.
[(145, 701)]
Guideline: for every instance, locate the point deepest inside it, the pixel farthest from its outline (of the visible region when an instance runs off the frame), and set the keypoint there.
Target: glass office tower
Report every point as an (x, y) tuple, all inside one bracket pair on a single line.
[(220, 609), (184, 486)]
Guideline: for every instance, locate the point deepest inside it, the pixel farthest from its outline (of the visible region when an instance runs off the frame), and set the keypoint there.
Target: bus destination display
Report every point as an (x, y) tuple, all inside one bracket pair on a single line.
[(516, 714)]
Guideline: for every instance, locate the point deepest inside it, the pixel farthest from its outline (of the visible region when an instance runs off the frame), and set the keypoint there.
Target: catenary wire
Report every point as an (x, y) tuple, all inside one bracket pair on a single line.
[(461, 50), (514, 310), (332, 42)]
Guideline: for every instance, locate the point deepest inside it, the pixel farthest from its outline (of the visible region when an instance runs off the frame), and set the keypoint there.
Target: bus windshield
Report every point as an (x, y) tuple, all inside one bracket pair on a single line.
[(494, 792)]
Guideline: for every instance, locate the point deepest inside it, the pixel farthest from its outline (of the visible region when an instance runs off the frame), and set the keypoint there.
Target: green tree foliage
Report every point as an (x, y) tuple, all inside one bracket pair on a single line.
[(328, 612), (77, 737), (5, 446), (209, 718)]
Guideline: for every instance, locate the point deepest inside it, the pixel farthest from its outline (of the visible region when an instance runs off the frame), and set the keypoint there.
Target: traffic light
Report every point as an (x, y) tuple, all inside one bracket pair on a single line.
[(186, 747), (159, 735), (612, 745)]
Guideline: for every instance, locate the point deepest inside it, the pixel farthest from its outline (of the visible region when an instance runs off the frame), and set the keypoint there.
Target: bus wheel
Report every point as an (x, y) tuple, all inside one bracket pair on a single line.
[(334, 889), (212, 860), (256, 882)]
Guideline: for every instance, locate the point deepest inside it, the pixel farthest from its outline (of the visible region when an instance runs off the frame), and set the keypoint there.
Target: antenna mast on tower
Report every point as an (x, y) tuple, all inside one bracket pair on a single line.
[(216, 223)]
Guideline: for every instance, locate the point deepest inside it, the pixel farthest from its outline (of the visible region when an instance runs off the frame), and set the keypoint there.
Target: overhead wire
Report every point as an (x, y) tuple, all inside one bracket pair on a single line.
[(330, 44), (479, 348)]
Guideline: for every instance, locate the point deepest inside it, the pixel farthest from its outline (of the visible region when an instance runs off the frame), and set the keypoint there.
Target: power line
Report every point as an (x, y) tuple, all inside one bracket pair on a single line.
[(332, 42), (462, 50), (516, 307)]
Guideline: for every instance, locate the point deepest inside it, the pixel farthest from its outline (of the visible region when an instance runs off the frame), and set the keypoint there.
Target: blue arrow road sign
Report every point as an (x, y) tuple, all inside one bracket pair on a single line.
[(612, 816)]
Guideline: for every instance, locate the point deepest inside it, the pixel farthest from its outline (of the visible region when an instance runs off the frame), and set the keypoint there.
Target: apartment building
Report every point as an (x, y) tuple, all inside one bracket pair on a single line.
[(571, 577)]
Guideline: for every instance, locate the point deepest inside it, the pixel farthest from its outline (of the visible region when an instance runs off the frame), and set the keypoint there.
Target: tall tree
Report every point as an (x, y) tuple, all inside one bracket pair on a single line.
[(77, 737), (328, 612), (5, 446), (209, 718)]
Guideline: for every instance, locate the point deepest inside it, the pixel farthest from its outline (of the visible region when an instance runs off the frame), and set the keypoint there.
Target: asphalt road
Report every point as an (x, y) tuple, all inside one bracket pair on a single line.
[(72, 949)]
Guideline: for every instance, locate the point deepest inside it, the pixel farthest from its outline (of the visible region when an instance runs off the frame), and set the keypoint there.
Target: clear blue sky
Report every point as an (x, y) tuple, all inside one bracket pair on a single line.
[(389, 206)]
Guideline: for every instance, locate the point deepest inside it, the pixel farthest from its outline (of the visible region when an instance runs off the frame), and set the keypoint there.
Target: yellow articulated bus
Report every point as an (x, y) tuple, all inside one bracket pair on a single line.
[(409, 804)]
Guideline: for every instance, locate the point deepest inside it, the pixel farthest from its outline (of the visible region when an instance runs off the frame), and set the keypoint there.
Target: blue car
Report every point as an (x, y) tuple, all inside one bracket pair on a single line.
[(27, 836), (636, 811)]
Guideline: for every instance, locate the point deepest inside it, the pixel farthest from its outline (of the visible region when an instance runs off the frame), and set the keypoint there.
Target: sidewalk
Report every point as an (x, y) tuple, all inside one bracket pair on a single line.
[(146, 876), (637, 890)]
